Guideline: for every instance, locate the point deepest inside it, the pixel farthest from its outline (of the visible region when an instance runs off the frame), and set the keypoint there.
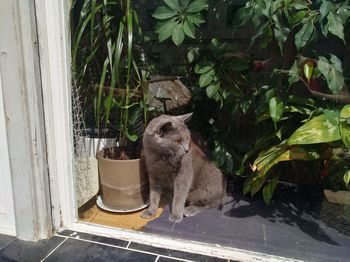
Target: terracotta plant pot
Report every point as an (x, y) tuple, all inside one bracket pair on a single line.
[(124, 184)]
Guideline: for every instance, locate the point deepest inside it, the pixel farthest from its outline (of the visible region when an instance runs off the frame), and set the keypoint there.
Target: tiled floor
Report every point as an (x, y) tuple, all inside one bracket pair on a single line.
[(73, 246)]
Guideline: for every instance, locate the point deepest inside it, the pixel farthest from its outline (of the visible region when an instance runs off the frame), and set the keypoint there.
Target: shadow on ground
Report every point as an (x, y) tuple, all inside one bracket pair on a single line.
[(293, 225)]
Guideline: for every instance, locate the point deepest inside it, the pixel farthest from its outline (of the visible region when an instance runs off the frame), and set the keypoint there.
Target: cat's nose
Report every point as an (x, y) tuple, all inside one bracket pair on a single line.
[(186, 148)]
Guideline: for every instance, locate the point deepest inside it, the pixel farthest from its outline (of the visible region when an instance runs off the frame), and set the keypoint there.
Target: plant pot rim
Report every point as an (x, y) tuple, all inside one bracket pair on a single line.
[(100, 155)]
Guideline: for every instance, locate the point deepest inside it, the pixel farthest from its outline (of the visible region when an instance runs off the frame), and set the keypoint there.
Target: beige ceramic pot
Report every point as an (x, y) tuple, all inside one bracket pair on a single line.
[(124, 184)]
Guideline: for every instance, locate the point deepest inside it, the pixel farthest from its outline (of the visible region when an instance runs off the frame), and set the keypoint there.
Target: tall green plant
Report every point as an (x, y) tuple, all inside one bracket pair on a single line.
[(104, 64)]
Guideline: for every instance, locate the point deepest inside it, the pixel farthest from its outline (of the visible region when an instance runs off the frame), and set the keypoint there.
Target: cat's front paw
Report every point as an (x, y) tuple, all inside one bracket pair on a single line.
[(148, 214), (191, 211), (176, 219)]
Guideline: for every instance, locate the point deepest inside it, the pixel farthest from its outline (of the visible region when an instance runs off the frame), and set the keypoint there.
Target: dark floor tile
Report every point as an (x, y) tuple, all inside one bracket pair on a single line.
[(5, 240), (78, 250), (105, 240), (20, 250), (174, 253)]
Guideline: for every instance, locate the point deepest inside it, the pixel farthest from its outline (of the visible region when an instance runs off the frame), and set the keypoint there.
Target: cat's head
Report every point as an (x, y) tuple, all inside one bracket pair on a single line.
[(170, 133)]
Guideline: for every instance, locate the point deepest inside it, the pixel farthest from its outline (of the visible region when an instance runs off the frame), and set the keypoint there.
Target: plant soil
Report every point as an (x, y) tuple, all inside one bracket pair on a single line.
[(131, 151)]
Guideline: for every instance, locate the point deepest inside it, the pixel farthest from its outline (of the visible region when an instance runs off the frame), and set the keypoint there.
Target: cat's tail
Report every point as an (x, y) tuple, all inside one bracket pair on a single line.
[(225, 199)]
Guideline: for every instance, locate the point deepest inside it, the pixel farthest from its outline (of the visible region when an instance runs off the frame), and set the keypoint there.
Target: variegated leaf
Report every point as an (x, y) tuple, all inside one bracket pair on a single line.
[(344, 125), (320, 129)]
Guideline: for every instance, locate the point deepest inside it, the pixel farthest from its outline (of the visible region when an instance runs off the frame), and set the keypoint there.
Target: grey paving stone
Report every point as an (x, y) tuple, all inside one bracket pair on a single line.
[(174, 253), (291, 226), (78, 250), (105, 240), (20, 250)]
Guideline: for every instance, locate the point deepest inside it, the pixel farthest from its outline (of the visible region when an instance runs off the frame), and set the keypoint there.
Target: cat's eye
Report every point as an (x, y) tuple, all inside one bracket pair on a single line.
[(178, 142)]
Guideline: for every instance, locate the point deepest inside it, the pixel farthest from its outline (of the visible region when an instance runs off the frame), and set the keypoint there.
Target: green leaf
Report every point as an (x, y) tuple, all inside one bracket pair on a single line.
[(281, 153), (281, 34), (269, 189), (262, 30), (344, 126), (247, 186), (243, 15), (100, 92), (203, 67), (185, 3), (335, 25), (343, 11), (189, 29), (308, 70), (132, 137), (238, 63), (325, 7), (293, 73), (266, 37), (193, 54), (336, 62), (173, 4), (178, 35), (163, 12), (197, 6), (298, 17), (206, 78), (298, 4), (196, 19), (212, 89), (334, 77), (305, 34), (320, 129), (304, 101), (257, 184), (165, 30), (347, 178), (276, 109)]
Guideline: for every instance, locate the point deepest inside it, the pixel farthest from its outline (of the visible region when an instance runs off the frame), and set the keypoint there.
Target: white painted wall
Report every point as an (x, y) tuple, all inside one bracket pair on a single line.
[(25, 128), (7, 215)]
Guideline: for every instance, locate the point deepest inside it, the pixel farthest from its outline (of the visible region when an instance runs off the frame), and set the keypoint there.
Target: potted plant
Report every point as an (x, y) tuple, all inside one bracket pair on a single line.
[(111, 85), (91, 131)]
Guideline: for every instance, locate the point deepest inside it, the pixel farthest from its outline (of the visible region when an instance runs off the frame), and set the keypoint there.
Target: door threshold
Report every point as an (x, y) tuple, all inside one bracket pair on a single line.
[(177, 244)]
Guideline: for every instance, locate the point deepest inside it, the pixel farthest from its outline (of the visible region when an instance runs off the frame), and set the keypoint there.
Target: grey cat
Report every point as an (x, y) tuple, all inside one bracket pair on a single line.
[(176, 164)]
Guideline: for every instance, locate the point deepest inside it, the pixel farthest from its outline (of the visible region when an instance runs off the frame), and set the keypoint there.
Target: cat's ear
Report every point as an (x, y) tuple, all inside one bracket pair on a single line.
[(185, 118), (165, 128)]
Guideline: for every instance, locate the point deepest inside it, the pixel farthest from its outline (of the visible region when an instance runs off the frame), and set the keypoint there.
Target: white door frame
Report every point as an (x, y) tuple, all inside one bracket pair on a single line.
[(54, 41), (22, 102), (8, 224)]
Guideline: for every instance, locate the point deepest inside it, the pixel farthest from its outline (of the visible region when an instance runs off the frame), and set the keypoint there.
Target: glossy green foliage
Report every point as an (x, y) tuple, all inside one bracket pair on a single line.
[(277, 19), (333, 72), (344, 125), (178, 18), (221, 71), (320, 129)]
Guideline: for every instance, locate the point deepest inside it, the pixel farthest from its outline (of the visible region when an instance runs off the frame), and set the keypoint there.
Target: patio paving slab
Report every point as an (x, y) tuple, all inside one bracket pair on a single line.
[(74, 246), (299, 224)]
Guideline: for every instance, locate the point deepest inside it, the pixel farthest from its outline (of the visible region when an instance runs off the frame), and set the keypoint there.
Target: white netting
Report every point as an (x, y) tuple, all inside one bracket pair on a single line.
[(79, 128)]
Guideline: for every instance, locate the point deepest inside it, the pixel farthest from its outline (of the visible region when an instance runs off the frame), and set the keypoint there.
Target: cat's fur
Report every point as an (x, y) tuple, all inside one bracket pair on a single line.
[(174, 162)]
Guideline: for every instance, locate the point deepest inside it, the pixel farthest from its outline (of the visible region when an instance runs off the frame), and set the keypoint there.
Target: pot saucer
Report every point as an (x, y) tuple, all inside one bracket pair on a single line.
[(101, 205)]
